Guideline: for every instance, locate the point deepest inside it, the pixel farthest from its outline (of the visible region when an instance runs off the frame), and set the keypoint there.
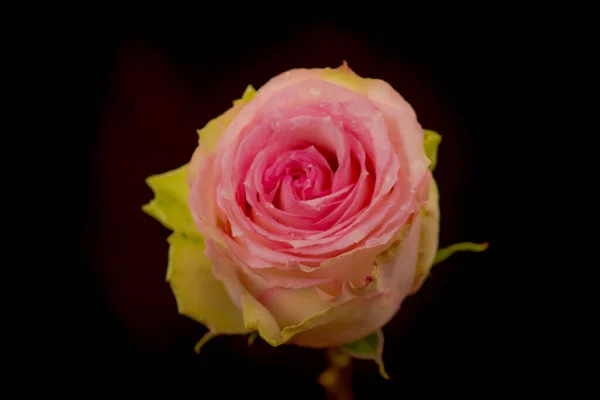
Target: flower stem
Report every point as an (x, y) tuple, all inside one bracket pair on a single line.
[(337, 378)]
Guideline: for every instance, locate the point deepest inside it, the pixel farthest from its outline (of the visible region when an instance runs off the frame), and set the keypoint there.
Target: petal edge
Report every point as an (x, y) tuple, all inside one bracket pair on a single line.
[(199, 295)]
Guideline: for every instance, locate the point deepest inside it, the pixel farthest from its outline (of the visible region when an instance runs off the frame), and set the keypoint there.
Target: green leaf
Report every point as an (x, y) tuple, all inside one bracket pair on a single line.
[(369, 348), (446, 252), (199, 295), (432, 142), (170, 203)]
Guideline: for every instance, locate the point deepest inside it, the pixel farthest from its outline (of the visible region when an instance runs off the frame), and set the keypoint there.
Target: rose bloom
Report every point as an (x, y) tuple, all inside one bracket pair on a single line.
[(317, 209), (309, 202)]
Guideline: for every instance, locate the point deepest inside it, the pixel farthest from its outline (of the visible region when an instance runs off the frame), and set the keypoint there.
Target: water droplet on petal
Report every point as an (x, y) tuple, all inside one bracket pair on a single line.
[(314, 91), (235, 231)]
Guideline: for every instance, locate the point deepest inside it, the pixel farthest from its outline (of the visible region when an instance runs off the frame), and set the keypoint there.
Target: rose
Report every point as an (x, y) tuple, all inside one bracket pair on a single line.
[(311, 215)]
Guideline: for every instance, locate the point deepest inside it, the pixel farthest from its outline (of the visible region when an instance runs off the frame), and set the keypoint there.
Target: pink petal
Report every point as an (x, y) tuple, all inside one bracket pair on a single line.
[(406, 135), (357, 316)]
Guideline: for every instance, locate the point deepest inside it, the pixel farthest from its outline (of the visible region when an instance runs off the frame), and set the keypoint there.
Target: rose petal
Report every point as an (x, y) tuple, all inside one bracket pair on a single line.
[(329, 233), (198, 293), (208, 137), (292, 306), (258, 318), (169, 205), (355, 318), (429, 240), (361, 192), (406, 135)]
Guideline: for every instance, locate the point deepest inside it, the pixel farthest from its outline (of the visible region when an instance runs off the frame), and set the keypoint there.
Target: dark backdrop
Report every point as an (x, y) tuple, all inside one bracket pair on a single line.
[(143, 96)]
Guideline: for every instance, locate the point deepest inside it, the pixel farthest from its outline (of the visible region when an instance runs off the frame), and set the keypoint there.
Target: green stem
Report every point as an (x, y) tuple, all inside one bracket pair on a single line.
[(337, 378)]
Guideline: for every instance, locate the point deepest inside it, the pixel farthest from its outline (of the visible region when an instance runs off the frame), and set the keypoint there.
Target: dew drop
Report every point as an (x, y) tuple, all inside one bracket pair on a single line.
[(236, 232)]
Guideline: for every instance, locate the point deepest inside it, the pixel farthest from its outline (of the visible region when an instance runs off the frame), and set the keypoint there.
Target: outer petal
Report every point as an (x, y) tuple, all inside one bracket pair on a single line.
[(241, 286), (303, 317), (265, 92), (375, 89), (408, 134), (352, 318), (199, 294), (169, 205), (343, 323), (428, 244), (257, 317), (209, 135)]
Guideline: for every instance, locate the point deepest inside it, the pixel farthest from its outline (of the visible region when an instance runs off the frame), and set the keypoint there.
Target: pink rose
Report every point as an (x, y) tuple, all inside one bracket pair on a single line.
[(317, 208)]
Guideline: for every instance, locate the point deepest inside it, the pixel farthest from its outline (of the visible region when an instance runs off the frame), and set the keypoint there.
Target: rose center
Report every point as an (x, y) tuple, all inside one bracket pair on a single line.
[(303, 174)]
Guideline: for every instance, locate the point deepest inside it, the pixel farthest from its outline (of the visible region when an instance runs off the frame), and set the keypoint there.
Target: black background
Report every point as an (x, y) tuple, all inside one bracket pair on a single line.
[(141, 97)]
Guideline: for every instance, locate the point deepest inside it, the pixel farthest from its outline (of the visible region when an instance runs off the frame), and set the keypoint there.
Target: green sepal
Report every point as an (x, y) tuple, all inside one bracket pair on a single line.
[(369, 348), (431, 143), (446, 252)]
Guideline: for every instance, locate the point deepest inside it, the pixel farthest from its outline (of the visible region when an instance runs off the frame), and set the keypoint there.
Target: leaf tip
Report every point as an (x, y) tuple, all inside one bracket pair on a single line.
[(383, 372), (208, 336), (147, 208), (252, 338)]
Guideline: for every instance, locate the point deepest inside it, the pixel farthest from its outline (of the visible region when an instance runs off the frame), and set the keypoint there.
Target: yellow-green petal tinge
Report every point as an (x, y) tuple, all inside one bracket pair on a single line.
[(199, 294)]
